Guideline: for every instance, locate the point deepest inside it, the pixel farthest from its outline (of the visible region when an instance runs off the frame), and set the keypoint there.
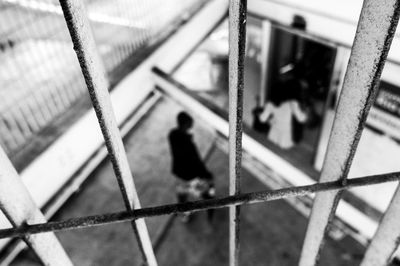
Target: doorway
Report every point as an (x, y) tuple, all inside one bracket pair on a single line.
[(302, 67)]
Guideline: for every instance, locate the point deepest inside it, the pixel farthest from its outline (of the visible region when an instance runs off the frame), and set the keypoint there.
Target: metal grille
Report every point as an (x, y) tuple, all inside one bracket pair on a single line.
[(375, 31), (41, 78)]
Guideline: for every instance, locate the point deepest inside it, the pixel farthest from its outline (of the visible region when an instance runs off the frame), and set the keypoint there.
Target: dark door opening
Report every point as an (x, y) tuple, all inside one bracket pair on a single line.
[(302, 68)]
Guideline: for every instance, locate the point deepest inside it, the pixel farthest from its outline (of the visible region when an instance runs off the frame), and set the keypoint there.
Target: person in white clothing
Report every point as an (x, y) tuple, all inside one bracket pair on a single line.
[(279, 116)]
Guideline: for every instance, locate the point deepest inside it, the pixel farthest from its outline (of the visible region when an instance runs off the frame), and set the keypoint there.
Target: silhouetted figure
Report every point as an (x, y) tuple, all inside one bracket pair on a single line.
[(281, 113), (11, 43), (193, 178)]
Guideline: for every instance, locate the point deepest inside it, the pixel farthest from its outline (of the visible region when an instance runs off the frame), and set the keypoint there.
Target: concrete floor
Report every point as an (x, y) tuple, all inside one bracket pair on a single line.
[(271, 233)]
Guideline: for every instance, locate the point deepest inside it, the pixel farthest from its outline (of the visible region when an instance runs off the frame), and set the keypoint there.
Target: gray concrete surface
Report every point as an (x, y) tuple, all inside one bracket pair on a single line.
[(272, 233)]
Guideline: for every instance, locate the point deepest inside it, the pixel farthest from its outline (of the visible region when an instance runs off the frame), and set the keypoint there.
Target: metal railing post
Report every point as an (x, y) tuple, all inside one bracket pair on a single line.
[(386, 239), (20, 209), (376, 28), (237, 42), (94, 73)]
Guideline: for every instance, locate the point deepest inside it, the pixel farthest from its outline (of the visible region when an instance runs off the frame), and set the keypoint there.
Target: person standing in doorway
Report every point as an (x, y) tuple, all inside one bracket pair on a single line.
[(282, 112)]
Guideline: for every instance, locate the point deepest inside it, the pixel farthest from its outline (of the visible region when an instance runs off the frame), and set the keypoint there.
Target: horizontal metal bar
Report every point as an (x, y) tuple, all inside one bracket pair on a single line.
[(375, 31), (94, 73), (241, 199)]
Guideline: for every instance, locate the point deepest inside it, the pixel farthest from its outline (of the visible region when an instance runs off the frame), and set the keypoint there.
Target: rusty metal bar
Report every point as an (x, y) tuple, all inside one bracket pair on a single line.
[(235, 200), (237, 43), (376, 27), (386, 239), (93, 71), (20, 209)]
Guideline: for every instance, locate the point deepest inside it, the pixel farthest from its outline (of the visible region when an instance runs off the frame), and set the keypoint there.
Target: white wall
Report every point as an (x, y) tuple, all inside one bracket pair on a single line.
[(332, 20)]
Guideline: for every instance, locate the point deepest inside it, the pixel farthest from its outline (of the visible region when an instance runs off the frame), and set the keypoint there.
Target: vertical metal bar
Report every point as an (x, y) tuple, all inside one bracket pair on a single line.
[(20, 209), (94, 73), (44, 104), (13, 127), (266, 29), (120, 53), (8, 139), (376, 27), (386, 239), (19, 120), (237, 43), (49, 99), (40, 114), (28, 111)]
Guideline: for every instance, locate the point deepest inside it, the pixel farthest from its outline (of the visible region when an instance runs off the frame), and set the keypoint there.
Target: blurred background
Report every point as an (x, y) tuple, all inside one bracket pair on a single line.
[(41, 79), (164, 57)]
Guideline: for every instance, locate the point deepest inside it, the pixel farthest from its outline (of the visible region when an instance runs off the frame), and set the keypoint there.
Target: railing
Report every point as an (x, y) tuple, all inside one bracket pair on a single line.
[(40, 77), (375, 31)]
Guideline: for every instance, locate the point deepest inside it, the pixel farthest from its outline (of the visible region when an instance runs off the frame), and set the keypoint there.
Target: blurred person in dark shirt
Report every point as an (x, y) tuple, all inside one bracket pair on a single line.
[(194, 181)]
